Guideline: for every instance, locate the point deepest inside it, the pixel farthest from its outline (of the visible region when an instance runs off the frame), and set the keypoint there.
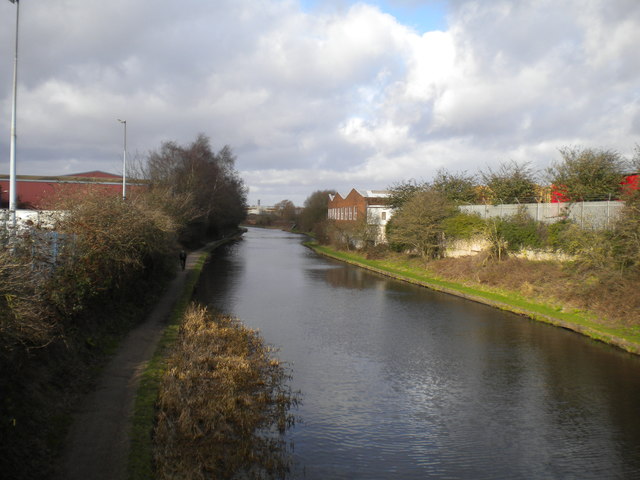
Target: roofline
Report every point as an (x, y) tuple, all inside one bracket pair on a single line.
[(74, 179)]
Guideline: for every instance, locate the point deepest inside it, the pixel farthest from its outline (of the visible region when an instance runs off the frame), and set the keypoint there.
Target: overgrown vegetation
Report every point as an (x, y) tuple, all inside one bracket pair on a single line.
[(418, 224), (224, 404), (70, 294), (596, 270), (211, 193), (511, 182), (587, 173), (313, 218)]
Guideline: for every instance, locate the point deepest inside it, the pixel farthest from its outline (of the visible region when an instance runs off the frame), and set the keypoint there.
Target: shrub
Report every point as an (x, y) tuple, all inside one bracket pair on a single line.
[(515, 235), (418, 223), (512, 182), (562, 236), (519, 231), (113, 249), (587, 173), (625, 238), (464, 226)]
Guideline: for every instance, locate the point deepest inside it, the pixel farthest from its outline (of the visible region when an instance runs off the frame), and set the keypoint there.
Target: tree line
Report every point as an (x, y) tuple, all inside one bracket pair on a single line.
[(426, 216), (580, 174), (61, 314)]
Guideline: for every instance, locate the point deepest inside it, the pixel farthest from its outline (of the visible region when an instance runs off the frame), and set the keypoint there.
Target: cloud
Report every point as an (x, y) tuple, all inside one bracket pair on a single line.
[(333, 95)]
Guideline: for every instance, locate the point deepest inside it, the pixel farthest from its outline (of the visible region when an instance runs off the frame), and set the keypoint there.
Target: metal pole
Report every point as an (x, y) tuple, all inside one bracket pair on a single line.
[(12, 157), (124, 162)]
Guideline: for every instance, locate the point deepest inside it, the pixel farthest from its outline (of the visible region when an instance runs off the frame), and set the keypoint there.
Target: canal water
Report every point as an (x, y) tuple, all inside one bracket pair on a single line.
[(400, 382)]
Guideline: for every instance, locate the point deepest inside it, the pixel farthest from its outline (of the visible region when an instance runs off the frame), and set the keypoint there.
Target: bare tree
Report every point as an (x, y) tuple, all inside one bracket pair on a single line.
[(458, 187), (313, 217), (286, 210), (587, 173), (208, 179), (512, 182)]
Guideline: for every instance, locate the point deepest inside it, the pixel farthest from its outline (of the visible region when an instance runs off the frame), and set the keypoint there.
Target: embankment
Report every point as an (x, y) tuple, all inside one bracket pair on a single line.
[(583, 322)]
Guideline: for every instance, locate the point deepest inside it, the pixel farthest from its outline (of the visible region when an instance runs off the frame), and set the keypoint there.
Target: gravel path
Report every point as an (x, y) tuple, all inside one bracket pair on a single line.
[(97, 446)]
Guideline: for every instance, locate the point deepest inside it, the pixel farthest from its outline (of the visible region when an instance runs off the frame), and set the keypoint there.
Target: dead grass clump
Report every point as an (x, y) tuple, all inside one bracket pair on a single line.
[(224, 404), (611, 295), (512, 273)]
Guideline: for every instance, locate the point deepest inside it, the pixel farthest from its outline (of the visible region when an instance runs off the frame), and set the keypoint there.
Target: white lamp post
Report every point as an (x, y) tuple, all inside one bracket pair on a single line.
[(124, 162), (12, 158)]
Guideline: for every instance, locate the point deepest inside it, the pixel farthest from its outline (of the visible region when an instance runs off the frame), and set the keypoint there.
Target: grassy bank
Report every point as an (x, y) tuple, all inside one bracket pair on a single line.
[(626, 337)]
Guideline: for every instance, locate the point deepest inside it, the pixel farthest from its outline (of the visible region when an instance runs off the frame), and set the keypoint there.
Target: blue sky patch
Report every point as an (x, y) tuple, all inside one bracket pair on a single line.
[(422, 16)]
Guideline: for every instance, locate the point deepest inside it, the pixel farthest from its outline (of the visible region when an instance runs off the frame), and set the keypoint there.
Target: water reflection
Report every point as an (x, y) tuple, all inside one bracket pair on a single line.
[(337, 276), (402, 382)]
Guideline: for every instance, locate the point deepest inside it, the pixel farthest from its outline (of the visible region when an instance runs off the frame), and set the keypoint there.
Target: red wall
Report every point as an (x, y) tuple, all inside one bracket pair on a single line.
[(353, 203), (35, 193)]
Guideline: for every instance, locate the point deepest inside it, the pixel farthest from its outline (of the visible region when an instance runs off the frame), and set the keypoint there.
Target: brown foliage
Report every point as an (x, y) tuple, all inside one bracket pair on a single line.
[(111, 246), (223, 404), (24, 317), (610, 294)]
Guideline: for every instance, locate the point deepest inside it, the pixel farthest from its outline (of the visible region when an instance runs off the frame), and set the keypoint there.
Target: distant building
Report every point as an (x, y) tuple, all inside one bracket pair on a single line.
[(372, 205), (32, 192)]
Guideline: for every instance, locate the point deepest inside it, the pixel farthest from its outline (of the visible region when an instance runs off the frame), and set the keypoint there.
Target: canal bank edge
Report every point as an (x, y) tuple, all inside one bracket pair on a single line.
[(140, 460), (576, 322)]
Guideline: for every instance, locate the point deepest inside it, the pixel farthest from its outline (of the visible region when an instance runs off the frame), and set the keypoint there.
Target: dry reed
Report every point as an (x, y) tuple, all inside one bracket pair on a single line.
[(224, 404)]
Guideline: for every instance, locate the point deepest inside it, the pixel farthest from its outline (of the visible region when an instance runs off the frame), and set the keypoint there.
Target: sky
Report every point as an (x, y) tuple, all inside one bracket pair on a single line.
[(315, 95)]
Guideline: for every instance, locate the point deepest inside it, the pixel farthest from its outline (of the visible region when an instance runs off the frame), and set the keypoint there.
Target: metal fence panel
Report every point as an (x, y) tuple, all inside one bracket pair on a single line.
[(593, 215)]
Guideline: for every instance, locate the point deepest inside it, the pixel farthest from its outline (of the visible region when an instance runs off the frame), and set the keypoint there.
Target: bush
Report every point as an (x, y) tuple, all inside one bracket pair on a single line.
[(587, 173), (519, 231), (114, 250), (60, 315), (625, 238), (418, 223), (562, 236), (464, 226)]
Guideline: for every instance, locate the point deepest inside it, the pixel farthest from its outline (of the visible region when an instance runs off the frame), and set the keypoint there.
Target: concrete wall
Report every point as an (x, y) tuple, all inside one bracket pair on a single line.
[(595, 215)]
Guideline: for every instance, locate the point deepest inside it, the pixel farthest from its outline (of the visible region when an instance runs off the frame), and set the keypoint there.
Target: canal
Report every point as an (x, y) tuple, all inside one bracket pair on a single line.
[(400, 382)]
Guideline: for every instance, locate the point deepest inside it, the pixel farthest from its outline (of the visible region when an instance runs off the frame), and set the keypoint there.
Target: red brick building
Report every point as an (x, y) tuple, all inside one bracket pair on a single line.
[(370, 204), (33, 191)]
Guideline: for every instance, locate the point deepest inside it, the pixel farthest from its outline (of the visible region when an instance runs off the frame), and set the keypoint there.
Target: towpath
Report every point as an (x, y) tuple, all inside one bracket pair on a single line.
[(97, 446)]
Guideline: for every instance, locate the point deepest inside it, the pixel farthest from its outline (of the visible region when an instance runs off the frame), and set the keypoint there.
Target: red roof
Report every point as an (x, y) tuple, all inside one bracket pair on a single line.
[(94, 174)]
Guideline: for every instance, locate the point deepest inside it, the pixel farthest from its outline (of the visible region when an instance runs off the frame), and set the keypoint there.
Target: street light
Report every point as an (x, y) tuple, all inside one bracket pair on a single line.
[(124, 160), (12, 157)]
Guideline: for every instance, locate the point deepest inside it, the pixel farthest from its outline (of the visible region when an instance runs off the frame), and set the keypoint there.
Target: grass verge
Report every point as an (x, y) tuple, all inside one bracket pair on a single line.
[(584, 322)]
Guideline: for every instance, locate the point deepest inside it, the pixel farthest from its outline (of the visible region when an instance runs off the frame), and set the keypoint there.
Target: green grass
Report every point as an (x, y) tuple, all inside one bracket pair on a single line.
[(586, 323)]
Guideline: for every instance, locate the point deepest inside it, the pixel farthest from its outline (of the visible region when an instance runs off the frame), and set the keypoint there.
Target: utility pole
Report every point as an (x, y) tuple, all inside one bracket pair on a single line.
[(12, 157)]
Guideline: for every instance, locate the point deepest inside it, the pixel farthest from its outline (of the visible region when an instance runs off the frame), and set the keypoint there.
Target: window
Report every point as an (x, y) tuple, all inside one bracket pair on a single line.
[(383, 215)]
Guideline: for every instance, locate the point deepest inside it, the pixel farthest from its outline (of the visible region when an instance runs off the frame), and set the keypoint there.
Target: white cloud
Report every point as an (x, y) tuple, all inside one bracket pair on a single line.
[(339, 96)]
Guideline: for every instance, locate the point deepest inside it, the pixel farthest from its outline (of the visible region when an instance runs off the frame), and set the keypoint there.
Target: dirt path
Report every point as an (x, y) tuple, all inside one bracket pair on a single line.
[(97, 446)]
